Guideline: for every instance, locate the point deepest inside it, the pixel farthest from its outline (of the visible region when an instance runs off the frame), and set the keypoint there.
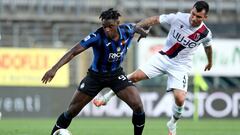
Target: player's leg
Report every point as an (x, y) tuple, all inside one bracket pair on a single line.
[(177, 108), (149, 70), (78, 101), (179, 96), (135, 76), (128, 92), (103, 99), (87, 90), (131, 96), (179, 88)]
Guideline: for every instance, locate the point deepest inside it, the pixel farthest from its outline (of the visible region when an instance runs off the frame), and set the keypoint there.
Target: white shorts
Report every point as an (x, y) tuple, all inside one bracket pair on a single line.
[(159, 64)]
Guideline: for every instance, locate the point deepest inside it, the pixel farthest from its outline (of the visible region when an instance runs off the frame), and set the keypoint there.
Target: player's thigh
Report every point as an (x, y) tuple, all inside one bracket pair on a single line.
[(91, 85), (126, 90), (79, 100), (130, 95), (154, 66), (178, 81), (119, 82)]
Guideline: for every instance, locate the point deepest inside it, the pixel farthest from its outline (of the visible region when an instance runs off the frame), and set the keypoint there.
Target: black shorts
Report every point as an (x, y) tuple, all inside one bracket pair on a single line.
[(94, 82)]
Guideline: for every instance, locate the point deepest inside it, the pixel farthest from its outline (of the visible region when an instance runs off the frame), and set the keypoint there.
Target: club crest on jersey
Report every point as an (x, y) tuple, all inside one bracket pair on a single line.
[(197, 36), (118, 49)]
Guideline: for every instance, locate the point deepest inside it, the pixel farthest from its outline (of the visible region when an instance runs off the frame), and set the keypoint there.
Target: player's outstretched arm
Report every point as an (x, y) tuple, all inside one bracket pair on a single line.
[(148, 22), (103, 99), (208, 51), (49, 75)]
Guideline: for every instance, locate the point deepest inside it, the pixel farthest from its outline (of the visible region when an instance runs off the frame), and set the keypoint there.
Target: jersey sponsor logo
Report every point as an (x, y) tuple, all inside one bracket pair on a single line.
[(114, 56), (183, 40)]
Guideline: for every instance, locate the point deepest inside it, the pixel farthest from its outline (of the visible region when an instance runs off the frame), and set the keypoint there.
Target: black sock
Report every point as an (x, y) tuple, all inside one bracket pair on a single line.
[(138, 120), (63, 121)]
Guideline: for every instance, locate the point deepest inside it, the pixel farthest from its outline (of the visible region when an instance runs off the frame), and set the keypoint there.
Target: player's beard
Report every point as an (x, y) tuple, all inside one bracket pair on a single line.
[(195, 23)]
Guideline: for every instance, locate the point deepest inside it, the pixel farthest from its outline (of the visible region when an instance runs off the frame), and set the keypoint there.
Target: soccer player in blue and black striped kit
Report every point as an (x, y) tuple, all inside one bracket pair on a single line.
[(110, 44)]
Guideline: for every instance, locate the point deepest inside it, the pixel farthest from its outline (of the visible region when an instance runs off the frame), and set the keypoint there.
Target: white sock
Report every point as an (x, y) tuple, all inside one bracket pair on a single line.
[(177, 113), (108, 96)]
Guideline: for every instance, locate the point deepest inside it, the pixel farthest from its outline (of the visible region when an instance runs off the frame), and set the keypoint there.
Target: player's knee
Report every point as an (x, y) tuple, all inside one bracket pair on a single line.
[(180, 97), (179, 100), (137, 107)]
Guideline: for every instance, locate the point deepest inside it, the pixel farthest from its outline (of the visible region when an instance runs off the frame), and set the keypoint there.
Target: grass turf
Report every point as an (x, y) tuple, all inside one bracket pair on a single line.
[(120, 126)]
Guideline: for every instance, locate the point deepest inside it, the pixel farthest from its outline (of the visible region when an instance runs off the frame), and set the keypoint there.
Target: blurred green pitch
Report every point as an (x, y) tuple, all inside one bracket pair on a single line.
[(120, 126)]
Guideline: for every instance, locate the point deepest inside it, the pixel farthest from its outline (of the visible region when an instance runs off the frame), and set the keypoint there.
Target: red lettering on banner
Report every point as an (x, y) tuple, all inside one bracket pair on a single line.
[(24, 61)]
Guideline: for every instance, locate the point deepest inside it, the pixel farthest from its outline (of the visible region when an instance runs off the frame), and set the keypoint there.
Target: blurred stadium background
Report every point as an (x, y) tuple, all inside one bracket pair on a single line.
[(34, 34)]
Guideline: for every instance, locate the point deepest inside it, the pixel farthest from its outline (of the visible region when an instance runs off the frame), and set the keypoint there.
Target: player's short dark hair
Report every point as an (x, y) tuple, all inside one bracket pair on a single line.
[(110, 14), (201, 5)]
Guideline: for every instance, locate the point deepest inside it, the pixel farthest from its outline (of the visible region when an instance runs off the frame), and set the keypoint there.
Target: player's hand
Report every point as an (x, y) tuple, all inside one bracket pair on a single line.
[(143, 32), (48, 76), (208, 67), (140, 31)]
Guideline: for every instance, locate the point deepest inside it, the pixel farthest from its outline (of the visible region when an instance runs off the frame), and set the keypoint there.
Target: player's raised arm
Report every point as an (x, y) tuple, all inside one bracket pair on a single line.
[(48, 76), (208, 51)]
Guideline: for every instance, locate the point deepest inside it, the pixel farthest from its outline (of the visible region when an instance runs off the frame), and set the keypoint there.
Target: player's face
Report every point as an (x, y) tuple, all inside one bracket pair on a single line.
[(196, 18), (110, 28)]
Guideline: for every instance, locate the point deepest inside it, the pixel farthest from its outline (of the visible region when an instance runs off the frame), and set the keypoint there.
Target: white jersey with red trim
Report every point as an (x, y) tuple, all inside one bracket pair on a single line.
[(183, 39)]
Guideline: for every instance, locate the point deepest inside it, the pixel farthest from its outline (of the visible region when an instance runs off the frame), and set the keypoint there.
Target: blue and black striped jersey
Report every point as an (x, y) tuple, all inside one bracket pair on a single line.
[(109, 54)]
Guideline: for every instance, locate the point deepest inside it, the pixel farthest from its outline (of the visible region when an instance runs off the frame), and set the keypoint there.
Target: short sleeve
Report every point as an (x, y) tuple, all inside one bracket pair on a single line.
[(167, 18), (90, 40), (130, 28)]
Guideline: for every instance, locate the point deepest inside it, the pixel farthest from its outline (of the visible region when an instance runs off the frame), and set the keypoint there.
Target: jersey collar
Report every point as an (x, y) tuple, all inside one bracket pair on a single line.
[(120, 33)]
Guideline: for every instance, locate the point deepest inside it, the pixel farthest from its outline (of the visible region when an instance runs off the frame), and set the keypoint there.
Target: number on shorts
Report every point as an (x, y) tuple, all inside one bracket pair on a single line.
[(184, 81), (122, 77)]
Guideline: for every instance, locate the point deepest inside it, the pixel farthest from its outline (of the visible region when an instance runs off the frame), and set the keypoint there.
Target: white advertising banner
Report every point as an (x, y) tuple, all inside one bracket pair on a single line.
[(226, 56), (217, 104)]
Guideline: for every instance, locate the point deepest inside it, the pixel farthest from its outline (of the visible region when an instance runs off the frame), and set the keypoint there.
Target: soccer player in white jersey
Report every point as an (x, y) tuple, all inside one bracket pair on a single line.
[(187, 32)]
